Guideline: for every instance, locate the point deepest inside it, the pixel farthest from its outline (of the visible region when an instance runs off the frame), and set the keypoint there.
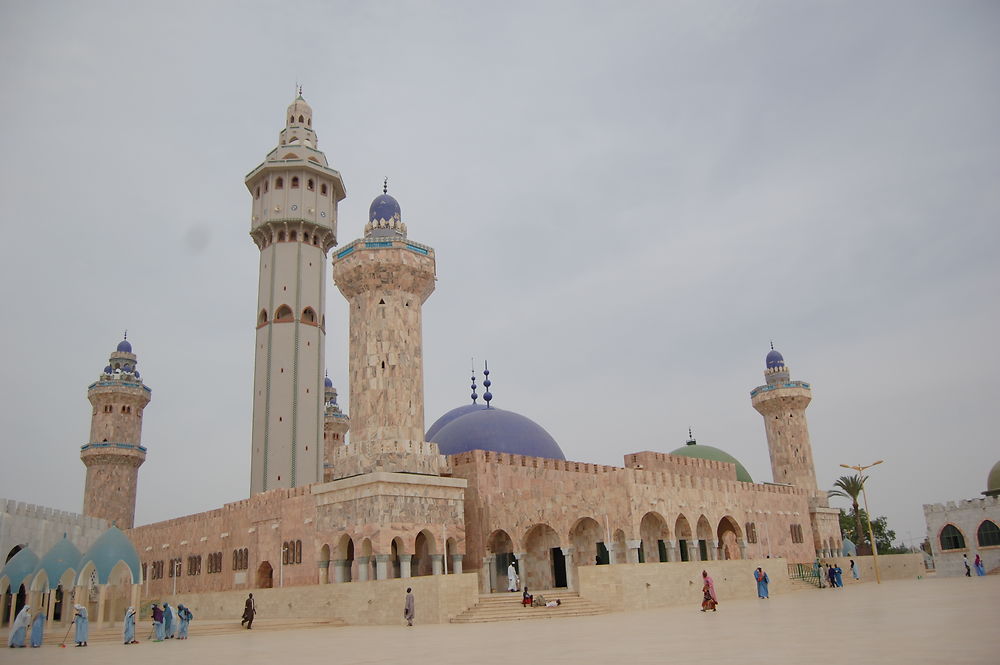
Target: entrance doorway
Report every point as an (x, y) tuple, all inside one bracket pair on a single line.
[(265, 576), (558, 568), (683, 545)]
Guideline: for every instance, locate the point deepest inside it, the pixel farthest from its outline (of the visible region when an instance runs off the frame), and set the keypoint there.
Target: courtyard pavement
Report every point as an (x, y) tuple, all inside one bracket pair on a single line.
[(950, 620)]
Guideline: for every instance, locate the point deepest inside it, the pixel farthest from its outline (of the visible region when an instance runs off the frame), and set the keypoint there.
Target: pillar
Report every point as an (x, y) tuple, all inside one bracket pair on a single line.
[(692, 548), (404, 565), (632, 551), (486, 574), (324, 572), (50, 612), (363, 568), (437, 564), (381, 566), (339, 573), (743, 549), (456, 563), (522, 570), (571, 582), (102, 597), (671, 547), (612, 553)]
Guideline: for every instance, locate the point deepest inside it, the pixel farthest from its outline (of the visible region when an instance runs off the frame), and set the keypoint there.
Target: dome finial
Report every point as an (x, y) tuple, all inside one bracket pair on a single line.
[(772, 345), (690, 440), (126, 334), (487, 395), (474, 395), (385, 185)]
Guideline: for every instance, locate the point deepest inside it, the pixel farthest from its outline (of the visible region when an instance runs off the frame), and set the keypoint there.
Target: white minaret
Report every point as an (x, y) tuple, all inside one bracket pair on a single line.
[(294, 224)]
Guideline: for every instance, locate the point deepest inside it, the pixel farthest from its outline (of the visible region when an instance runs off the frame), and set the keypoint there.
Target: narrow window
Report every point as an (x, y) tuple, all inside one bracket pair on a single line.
[(279, 183), (283, 314), (309, 315), (293, 236), (265, 186), (262, 319), (310, 185), (256, 192), (295, 182), (322, 189), (301, 119)]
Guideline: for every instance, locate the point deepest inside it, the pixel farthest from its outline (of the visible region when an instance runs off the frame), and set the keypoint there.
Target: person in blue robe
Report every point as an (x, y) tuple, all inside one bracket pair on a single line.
[(158, 622), (19, 628), (168, 621), (82, 623), (838, 575), (128, 626), (184, 616), (762, 581), (38, 630)]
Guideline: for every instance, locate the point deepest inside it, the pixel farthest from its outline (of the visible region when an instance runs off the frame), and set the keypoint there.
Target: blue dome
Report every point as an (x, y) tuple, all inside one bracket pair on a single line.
[(125, 346), (61, 557), (384, 207), (113, 546), (457, 412), (774, 359), (327, 382), (499, 431), (20, 566), (108, 370)]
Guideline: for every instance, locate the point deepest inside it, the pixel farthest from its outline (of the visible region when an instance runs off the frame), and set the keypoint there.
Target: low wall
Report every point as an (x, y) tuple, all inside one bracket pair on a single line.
[(890, 566), (437, 599), (636, 586)]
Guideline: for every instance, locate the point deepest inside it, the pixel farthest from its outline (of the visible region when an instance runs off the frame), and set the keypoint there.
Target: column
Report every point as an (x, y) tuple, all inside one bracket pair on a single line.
[(102, 596), (456, 563), (671, 547), (486, 574), (324, 572), (743, 549), (338, 571), (522, 569), (50, 612), (404, 565), (571, 573), (363, 567), (381, 566), (632, 551), (692, 548), (437, 564), (612, 553), (713, 549)]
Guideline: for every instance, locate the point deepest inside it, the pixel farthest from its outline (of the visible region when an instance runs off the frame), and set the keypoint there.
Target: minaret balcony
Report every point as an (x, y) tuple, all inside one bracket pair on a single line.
[(106, 445), (778, 386)]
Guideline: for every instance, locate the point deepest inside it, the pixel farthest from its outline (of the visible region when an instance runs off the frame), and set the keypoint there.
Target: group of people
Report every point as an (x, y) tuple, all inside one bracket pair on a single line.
[(165, 627), (980, 568), (19, 636)]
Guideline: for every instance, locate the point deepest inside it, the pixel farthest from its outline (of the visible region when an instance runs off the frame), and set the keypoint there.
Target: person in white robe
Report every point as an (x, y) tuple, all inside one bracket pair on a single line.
[(82, 624), (19, 629), (512, 581), (128, 626)]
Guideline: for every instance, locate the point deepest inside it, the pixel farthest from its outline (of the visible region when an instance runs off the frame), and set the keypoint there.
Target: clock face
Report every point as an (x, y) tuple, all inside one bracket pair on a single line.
[(294, 207), (323, 214)]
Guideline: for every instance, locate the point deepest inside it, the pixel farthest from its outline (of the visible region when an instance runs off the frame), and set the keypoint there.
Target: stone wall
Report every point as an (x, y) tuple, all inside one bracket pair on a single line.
[(437, 599), (890, 567), (641, 586), (40, 528), (966, 516)]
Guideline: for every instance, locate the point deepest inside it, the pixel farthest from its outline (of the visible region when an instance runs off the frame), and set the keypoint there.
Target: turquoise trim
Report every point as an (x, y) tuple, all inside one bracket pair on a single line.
[(418, 250), (378, 243), (130, 446), (344, 252)]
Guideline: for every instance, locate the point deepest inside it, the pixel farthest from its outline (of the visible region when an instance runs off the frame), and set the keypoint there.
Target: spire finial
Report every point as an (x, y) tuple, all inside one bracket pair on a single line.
[(690, 440), (487, 395), (300, 90), (126, 334), (772, 345), (385, 185), (474, 395)]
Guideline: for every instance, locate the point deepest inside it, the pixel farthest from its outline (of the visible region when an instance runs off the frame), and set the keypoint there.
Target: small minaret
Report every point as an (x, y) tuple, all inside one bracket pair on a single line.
[(294, 224), (115, 453), (386, 278), (783, 404), (335, 427)]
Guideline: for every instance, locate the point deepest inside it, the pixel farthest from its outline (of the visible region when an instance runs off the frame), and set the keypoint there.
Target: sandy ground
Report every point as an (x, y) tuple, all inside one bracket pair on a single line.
[(937, 621)]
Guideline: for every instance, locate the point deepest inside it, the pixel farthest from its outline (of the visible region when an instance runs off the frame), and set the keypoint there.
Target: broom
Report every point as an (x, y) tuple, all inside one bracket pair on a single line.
[(63, 644)]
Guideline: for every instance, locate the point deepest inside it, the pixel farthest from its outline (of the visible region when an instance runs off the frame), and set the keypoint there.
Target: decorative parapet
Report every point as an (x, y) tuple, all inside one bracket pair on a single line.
[(963, 504), (778, 386), (22, 509)]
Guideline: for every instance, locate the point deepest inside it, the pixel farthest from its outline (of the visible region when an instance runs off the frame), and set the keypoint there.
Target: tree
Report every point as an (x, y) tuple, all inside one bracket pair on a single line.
[(850, 487), (884, 536)]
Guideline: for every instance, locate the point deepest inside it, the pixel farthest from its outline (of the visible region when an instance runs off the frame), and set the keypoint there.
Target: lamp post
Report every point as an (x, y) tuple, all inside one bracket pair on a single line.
[(871, 536), (281, 566), (177, 572)]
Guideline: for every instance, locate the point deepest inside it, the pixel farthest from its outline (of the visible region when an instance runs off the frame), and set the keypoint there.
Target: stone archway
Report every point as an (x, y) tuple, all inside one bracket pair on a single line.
[(705, 536), (501, 547), (545, 569), (265, 575), (584, 538), (424, 548), (655, 538), (324, 564), (729, 539), (686, 546)]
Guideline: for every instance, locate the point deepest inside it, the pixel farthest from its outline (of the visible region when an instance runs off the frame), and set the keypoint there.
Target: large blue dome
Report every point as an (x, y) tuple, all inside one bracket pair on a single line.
[(498, 431), (111, 548), (457, 412), (774, 359), (384, 207), (125, 346), (61, 557)]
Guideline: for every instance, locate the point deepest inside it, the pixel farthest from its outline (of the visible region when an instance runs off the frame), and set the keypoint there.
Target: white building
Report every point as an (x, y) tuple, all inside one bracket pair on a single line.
[(968, 528)]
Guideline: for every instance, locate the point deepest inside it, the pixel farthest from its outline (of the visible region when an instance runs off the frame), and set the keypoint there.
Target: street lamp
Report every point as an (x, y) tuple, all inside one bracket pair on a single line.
[(871, 536), (177, 571), (281, 566)]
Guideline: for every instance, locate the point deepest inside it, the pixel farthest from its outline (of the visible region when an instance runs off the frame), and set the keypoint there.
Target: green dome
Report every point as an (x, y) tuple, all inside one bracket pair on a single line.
[(993, 481), (693, 449)]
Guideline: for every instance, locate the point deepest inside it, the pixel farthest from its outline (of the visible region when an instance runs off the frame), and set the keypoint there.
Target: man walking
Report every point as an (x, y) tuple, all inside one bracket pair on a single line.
[(408, 607), (249, 611)]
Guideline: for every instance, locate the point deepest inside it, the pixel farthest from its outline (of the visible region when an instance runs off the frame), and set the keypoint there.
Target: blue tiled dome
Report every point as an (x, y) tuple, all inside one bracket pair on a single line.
[(327, 382), (61, 557), (499, 431), (457, 412), (125, 346), (108, 370), (113, 546), (384, 207), (775, 359), (20, 566)]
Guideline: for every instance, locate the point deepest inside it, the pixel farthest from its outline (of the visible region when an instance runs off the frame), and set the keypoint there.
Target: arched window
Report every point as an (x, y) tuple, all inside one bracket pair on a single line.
[(309, 315), (256, 192), (281, 236), (322, 189), (236, 560), (988, 534), (298, 551), (265, 186), (291, 119), (295, 182), (283, 314), (305, 237), (293, 236), (284, 553), (952, 538), (310, 185), (309, 122), (262, 319), (279, 183), (291, 155), (301, 119)]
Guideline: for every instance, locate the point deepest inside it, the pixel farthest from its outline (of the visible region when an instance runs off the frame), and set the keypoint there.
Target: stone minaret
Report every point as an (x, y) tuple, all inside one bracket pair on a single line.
[(783, 404), (386, 278), (294, 224), (335, 427), (115, 453)]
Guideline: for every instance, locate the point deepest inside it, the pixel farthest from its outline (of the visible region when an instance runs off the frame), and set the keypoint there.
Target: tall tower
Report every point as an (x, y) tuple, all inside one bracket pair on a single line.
[(335, 427), (386, 278), (294, 223), (115, 453), (783, 404)]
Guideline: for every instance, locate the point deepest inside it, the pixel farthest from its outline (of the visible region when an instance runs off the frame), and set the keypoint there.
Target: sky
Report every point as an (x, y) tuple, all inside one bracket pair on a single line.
[(628, 201)]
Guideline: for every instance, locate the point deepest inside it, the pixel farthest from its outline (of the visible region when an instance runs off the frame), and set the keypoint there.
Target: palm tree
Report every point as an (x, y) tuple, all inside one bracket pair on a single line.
[(850, 487)]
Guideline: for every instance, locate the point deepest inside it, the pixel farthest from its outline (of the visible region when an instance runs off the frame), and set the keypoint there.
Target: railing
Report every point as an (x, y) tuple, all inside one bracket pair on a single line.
[(778, 386), (128, 446), (804, 572)]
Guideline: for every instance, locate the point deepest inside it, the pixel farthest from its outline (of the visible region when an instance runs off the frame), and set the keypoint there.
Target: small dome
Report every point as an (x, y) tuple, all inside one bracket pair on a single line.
[(299, 107), (108, 370), (111, 548), (20, 566), (126, 368), (137, 374), (774, 360), (327, 382), (993, 481), (699, 451), (60, 558), (125, 346), (498, 431), (384, 207), (457, 412)]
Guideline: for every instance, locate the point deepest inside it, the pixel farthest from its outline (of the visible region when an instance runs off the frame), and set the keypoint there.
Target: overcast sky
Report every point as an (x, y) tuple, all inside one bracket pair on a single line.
[(627, 201)]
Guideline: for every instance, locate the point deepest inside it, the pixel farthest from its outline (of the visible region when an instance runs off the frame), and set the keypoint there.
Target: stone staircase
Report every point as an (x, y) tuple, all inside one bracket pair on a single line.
[(113, 634), (800, 584), (507, 607)]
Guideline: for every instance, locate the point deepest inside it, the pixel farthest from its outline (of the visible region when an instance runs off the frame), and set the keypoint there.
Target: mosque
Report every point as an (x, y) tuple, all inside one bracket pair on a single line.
[(480, 488)]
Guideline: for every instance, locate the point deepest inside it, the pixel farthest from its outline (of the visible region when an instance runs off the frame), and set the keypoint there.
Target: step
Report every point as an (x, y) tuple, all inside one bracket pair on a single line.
[(54, 635), (506, 606)]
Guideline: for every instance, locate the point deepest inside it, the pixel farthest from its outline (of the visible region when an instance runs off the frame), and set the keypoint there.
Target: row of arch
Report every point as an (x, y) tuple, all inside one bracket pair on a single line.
[(294, 183), (952, 538), (355, 559), (284, 315), (265, 239), (302, 119)]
